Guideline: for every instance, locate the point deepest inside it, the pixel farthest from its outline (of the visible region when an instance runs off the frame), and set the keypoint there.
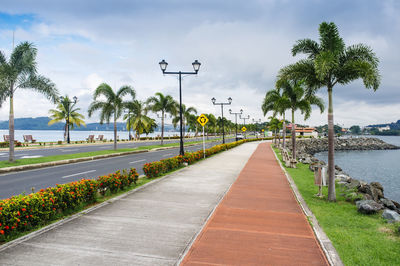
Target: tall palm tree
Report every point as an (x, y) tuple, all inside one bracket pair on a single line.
[(165, 104), (212, 123), (186, 112), (61, 114), (277, 103), (112, 106), (329, 63), (295, 92), (20, 72), (139, 120)]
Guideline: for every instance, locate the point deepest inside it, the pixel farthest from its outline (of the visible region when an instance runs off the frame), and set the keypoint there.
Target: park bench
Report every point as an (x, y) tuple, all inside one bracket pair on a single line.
[(90, 138), (29, 138), (101, 137)]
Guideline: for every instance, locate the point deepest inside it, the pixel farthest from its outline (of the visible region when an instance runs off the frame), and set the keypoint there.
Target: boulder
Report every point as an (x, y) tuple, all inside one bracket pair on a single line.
[(373, 190), (368, 206), (388, 204), (354, 183), (391, 216)]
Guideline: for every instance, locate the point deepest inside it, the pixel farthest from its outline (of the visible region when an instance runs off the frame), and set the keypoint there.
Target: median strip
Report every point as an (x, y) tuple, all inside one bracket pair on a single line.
[(138, 161)]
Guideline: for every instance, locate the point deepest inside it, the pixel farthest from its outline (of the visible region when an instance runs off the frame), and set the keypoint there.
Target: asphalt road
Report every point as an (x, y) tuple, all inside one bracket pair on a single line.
[(42, 152), (19, 182)]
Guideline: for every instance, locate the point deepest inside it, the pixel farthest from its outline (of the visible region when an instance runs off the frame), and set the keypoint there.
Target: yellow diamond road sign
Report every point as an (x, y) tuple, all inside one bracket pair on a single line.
[(244, 129), (202, 120)]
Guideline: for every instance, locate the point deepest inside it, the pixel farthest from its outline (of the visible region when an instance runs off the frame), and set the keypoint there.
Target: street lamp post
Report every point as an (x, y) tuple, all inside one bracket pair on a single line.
[(236, 114), (68, 110), (196, 66), (222, 113), (244, 121)]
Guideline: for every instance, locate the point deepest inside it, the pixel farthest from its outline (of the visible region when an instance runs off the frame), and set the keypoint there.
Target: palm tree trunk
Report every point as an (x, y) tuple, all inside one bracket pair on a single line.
[(162, 128), (284, 130), (331, 150), (11, 127), (293, 137), (115, 131)]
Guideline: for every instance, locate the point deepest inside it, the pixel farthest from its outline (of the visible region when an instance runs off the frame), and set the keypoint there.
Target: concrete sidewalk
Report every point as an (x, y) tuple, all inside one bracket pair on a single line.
[(152, 226), (259, 222)]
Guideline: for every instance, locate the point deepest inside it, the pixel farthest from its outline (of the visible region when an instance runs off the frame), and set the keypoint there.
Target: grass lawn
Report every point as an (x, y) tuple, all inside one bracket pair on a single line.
[(359, 239), (60, 157)]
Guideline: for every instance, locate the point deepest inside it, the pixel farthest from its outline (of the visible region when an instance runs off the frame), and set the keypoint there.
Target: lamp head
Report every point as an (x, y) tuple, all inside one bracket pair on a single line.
[(196, 65), (230, 100), (241, 111), (230, 111), (163, 65), (75, 99), (213, 100)]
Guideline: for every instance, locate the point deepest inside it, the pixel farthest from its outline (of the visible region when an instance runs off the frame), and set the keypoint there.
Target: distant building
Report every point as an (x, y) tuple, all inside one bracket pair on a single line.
[(303, 131), (383, 128)]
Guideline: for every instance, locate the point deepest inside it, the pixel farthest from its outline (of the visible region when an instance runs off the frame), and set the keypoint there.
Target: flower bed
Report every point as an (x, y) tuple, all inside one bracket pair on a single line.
[(24, 212), (158, 168)]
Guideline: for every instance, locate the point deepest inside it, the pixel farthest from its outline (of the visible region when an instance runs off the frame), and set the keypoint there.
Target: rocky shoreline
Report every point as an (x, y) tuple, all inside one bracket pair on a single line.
[(369, 197)]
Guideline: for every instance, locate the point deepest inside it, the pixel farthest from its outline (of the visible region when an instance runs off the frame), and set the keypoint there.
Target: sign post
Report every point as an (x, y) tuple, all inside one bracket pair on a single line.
[(244, 131), (202, 119)]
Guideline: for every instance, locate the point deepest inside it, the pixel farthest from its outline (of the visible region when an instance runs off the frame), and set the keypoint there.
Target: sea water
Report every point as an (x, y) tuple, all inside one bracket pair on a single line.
[(377, 165), (56, 135)]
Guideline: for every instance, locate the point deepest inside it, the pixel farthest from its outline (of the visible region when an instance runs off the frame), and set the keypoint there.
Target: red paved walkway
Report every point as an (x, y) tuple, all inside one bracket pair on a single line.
[(259, 222)]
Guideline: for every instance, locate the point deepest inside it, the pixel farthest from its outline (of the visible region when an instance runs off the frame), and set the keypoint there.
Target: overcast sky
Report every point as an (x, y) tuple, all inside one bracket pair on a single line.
[(241, 45)]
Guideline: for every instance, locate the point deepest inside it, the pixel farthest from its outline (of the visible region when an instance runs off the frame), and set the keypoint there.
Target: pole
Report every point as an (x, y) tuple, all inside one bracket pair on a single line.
[(181, 151), (68, 140), (204, 145), (236, 126), (223, 129), (129, 125)]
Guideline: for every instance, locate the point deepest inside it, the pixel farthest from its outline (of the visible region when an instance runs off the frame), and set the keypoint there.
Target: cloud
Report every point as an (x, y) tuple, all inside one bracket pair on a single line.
[(241, 46)]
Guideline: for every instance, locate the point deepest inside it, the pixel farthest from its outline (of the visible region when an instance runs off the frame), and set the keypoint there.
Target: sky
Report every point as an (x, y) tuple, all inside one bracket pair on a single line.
[(241, 46)]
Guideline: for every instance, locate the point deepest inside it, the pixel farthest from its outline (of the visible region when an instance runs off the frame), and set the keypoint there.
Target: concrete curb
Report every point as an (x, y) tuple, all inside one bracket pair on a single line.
[(330, 252), (61, 162), (83, 159)]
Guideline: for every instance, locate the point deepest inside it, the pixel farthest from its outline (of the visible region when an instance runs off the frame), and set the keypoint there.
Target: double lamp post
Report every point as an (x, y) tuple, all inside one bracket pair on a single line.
[(236, 114), (196, 66), (222, 114)]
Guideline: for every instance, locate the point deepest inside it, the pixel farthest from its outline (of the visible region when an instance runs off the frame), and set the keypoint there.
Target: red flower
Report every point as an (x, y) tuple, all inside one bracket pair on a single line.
[(2, 232), (23, 209)]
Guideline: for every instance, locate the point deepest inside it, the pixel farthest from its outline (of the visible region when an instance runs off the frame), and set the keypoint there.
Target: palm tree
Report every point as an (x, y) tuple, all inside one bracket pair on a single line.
[(278, 103), (212, 123), (274, 126), (186, 116), (295, 92), (61, 114), (165, 104), (139, 121), (112, 106), (329, 63), (20, 72)]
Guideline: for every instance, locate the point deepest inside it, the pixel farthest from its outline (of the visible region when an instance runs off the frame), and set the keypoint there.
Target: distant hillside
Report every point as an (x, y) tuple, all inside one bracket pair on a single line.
[(40, 123), (394, 126)]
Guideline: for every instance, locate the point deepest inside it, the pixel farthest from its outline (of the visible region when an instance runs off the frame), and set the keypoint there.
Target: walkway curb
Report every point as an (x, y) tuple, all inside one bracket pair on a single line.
[(77, 215), (325, 243)]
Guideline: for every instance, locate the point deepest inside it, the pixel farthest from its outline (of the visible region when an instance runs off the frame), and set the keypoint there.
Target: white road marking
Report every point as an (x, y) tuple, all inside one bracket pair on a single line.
[(82, 173), (168, 154), (65, 150), (138, 161), (31, 156)]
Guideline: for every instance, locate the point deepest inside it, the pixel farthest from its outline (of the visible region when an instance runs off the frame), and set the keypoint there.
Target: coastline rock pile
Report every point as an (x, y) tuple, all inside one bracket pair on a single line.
[(312, 145), (369, 197)]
